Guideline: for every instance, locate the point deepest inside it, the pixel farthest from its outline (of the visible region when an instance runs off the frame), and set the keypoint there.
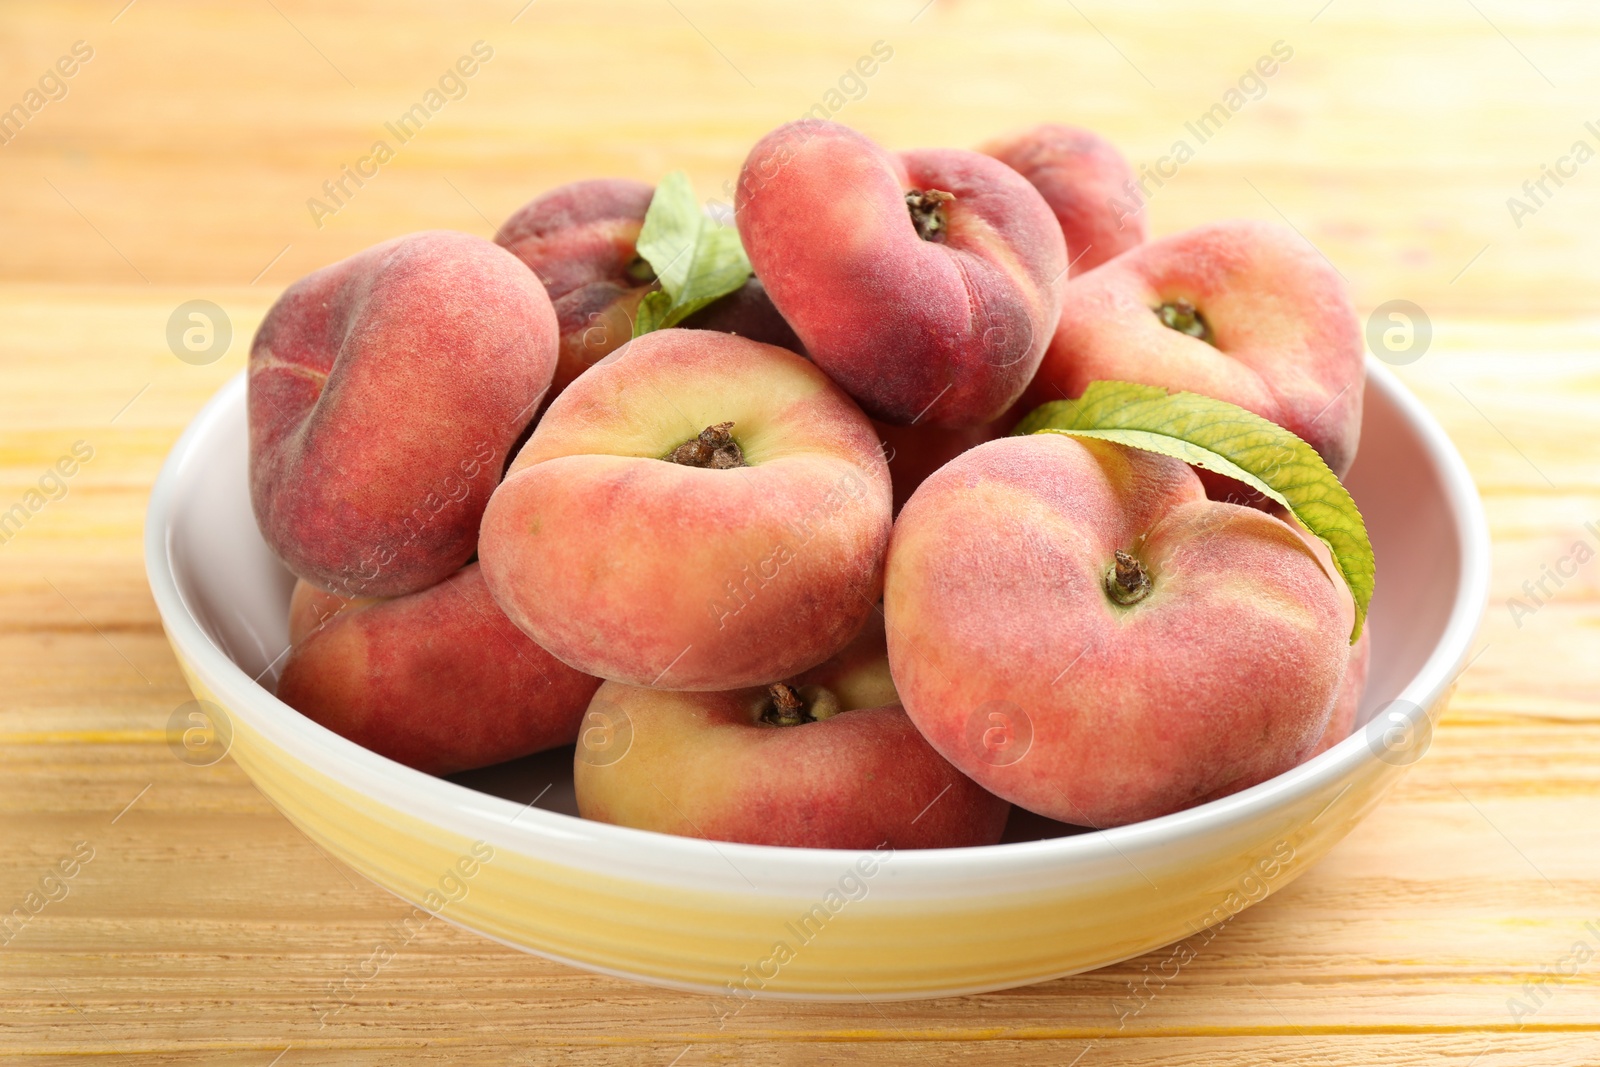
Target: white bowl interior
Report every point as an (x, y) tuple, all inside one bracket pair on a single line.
[(238, 592)]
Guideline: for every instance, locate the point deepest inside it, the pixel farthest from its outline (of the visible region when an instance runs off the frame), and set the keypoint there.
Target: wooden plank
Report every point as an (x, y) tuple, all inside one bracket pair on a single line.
[(186, 150), (200, 904)]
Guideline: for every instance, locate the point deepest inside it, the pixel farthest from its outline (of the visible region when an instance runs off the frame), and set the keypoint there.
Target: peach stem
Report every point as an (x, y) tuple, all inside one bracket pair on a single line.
[(1184, 317), (787, 708), (927, 212), (713, 448), (1128, 582)]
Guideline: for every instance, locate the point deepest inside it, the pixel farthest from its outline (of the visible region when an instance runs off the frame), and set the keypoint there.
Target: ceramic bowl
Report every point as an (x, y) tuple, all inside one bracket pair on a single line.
[(502, 852)]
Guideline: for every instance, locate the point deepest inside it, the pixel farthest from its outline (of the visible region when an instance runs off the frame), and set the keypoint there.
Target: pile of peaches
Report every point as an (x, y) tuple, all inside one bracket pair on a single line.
[(735, 506)]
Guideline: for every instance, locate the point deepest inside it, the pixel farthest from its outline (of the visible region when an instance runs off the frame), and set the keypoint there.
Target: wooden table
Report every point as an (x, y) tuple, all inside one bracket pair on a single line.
[(178, 166)]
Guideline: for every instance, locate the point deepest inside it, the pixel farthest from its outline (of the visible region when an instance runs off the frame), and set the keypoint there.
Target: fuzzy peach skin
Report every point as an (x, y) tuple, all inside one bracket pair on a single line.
[(1343, 719), (996, 596), (580, 239), (1087, 183), (1287, 344), (943, 332), (707, 765), (1340, 722), (648, 572), (385, 393), (438, 680), (914, 452), (1354, 686)]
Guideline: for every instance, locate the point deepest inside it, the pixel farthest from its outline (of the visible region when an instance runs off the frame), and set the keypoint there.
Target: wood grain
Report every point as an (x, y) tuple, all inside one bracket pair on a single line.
[(206, 929)]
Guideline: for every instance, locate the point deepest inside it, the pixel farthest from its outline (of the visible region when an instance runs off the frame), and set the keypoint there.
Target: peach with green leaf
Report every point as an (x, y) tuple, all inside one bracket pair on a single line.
[(602, 246), (1247, 312), (1163, 648)]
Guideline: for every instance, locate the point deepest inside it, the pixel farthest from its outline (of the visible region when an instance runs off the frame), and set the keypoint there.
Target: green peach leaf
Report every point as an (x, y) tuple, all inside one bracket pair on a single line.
[(696, 259), (671, 229), (720, 267), (1231, 441), (652, 313)]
